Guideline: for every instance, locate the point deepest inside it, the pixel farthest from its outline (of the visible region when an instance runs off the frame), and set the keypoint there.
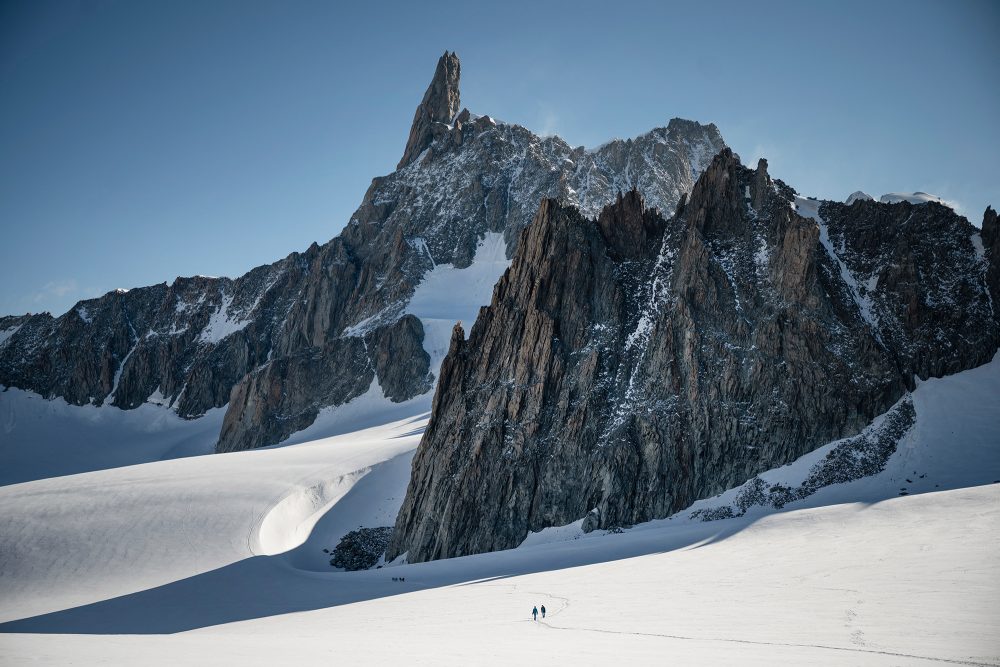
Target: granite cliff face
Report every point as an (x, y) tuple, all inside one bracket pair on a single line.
[(433, 118), (318, 328), (632, 364)]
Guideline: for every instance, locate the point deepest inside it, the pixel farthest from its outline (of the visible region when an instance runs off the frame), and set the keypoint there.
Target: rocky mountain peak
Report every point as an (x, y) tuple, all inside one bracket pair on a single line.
[(685, 126), (716, 201), (323, 326), (602, 376), (435, 112), (761, 184), (629, 229), (991, 228)]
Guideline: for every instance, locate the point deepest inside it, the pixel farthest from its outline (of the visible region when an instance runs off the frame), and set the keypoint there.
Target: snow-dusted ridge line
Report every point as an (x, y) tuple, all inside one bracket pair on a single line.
[(838, 462), (858, 195)]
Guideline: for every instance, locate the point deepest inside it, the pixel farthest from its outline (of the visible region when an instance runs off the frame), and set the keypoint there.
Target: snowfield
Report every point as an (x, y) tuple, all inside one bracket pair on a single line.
[(42, 438), (913, 198), (218, 560), (448, 295)]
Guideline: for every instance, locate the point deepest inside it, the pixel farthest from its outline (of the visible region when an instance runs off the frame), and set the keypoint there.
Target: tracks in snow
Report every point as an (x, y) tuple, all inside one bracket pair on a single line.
[(565, 603)]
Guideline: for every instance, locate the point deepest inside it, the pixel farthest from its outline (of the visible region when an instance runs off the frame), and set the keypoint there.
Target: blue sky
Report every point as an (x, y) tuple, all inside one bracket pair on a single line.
[(141, 140)]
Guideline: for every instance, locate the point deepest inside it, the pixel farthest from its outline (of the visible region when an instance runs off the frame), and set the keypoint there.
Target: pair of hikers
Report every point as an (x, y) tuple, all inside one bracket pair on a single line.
[(534, 612)]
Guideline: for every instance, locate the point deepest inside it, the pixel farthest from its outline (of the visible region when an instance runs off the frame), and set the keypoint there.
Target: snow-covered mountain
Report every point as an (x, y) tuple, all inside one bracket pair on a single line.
[(310, 332), (699, 417), (912, 198), (633, 364)]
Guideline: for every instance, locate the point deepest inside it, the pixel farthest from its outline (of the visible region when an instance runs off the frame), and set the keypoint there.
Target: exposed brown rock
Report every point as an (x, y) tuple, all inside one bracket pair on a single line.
[(632, 365), (440, 104), (189, 344)]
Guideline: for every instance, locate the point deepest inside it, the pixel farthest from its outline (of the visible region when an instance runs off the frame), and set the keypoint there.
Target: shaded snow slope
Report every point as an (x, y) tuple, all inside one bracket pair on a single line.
[(907, 581), (42, 438), (80, 539)]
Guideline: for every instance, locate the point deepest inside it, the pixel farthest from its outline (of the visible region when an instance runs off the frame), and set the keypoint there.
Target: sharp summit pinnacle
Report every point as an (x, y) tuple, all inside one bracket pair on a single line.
[(437, 109)]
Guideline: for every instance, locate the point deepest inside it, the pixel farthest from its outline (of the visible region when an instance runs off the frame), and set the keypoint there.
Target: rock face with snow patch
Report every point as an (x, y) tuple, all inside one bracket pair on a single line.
[(188, 342), (634, 364), (317, 328)]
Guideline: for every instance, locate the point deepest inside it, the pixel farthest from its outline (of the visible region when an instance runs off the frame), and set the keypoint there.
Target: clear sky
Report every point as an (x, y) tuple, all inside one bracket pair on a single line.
[(142, 140)]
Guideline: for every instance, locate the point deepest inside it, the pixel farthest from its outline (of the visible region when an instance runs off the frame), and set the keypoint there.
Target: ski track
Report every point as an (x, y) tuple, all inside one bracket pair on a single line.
[(762, 643)]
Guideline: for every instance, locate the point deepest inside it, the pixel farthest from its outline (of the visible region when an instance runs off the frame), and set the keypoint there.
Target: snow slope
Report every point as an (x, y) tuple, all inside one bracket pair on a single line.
[(913, 198), (42, 438), (448, 295), (908, 581), (80, 539), (218, 560)]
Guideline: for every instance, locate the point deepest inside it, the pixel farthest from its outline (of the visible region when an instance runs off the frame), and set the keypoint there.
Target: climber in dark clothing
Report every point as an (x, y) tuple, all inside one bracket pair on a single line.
[(543, 611), (534, 613)]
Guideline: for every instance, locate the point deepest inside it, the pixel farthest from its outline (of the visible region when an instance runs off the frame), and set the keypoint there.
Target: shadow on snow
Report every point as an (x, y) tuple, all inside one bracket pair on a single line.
[(263, 586)]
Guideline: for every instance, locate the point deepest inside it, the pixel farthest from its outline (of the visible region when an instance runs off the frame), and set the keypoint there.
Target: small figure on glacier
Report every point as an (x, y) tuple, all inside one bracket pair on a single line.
[(543, 611), (534, 613)]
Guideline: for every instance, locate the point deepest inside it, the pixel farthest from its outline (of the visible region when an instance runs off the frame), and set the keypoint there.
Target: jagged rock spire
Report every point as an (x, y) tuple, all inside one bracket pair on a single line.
[(439, 106), (991, 244), (761, 183), (991, 228)]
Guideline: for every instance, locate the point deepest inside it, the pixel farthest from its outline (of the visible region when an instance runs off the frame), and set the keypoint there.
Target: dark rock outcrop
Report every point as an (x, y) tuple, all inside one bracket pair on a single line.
[(853, 458), (285, 396), (188, 343), (361, 549), (991, 253), (630, 365), (338, 308)]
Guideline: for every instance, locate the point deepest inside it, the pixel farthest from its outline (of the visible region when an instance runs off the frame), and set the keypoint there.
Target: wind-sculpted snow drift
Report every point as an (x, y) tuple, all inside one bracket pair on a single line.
[(318, 328), (631, 365)]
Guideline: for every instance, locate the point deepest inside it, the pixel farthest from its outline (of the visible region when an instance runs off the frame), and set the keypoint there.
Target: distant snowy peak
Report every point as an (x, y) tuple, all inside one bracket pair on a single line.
[(897, 197), (858, 195), (913, 198)]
